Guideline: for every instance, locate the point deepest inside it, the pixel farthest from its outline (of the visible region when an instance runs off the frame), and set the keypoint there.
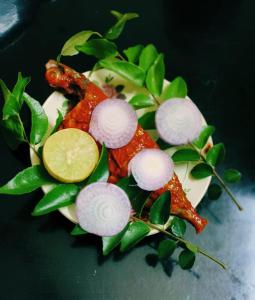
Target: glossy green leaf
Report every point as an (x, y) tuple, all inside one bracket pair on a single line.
[(5, 91), (135, 233), (166, 249), (185, 155), (60, 196), (147, 121), (125, 69), (162, 144), (100, 48), (69, 48), (148, 56), (155, 76), (111, 242), (206, 132), (201, 171), (26, 181), (141, 101), (133, 53), (214, 191), (59, 120), (12, 131), (215, 155), (186, 259), (115, 31), (176, 89), (101, 172), (77, 230), (160, 209), (178, 227), (39, 120), (137, 196), (232, 175), (193, 248)]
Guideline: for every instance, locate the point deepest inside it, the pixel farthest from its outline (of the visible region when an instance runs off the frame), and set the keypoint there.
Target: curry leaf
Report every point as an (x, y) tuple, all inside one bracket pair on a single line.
[(232, 175), (125, 69), (148, 57), (160, 209), (206, 132), (214, 191), (216, 154), (178, 227), (6, 92), (192, 247), (201, 171), (60, 196), (162, 144), (155, 76), (101, 172), (186, 259), (166, 249), (176, 89), (115, 31), (135, 233), (141, 101), (59, 120), (147, 121), (76, 40), (13, 131), (26, 181), (133, 53), (110, 242), (100, 48), (185, 155), (77, 230), (39, 120)]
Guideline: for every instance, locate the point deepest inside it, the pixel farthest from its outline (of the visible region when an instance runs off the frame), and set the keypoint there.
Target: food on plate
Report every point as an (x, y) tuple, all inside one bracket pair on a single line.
[(70, 155), (103, 209), (68, 80), (151, 169)]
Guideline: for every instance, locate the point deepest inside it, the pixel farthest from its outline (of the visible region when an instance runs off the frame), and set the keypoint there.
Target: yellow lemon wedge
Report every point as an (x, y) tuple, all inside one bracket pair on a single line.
[(70, 155)]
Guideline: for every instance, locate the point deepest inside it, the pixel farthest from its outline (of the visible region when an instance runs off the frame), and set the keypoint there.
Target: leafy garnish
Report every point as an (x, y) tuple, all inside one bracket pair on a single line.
[(178, 226), (216, 154), (141, 101), (133, 53), (201, 170), (147, 121), (185, 154), (201, 141), (111, 242), (232, 175), (176, 89), (58, 121), (160, 209), (77, 230), (148, 57), (214, 191), (186, 259), (166, 249)]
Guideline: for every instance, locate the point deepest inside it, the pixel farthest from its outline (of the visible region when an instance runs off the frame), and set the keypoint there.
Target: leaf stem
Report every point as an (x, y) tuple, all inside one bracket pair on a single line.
[(183, 241), (222, 183)]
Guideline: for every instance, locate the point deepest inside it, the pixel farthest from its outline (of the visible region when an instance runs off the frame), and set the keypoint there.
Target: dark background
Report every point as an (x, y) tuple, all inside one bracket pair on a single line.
[(212, 45)]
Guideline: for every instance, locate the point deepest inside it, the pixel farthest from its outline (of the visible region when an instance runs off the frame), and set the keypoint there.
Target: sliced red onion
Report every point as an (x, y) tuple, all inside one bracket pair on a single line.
[(178, 121), (113, 122), (103, 209), (151, 169)]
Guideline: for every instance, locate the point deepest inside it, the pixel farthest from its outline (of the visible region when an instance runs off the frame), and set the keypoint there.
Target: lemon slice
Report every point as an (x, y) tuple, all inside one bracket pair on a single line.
[(70, 155)]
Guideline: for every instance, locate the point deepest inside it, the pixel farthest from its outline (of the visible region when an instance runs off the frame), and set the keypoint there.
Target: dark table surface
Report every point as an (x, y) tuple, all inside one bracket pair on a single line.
[(212, 45)]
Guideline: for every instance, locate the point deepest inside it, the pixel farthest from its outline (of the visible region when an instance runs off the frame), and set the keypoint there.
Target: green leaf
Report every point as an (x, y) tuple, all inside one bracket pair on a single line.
[(176, 89), (125, 69), (215, 155), (162, 144), (214, 191), (6, 92), (76, 40), (185, 155), (232, 175), (110, 242), (135, 233), (100, 48), (59, 120), (137, 196), (60, 196), (26, 181), (148, 57), (166, 249), (155, 76), (39, 120), (133, 53), (160, 209), (147, 121), (12, 131), (101, 172), (141, 101), (206, 132), (115, 31), (193, 248), (19, 88), (186, 259), (201, 171), (77, 230), (178, 227)]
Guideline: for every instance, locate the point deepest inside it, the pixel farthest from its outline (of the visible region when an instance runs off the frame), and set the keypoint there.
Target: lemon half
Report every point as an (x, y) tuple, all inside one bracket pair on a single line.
[(70, 155)]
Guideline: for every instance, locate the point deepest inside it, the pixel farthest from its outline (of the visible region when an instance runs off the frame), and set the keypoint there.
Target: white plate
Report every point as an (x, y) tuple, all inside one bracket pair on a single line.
[(195, 189)]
